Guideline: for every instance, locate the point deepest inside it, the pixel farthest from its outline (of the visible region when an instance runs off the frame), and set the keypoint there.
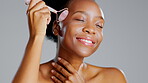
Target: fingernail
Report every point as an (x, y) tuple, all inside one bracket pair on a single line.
[(52, 77), (53, 63), (59, 58), (52, 71)]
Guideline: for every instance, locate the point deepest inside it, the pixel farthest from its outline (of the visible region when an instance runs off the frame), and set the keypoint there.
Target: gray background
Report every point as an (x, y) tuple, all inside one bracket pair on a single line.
[(124, 45)]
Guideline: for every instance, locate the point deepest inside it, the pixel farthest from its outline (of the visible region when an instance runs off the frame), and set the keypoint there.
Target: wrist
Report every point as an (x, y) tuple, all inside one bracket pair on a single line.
[(37, 37), (37, 34)]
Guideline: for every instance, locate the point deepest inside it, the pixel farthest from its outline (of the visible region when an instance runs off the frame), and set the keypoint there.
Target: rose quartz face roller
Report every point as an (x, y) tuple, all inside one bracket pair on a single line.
[(63, 13)]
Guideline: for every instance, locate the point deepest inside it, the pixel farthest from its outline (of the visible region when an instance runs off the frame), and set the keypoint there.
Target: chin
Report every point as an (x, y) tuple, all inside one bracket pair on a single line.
[(84, 52)]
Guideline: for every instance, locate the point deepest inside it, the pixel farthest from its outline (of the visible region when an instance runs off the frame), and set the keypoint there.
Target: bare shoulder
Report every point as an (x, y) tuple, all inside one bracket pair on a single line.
[(44, 68), (44, 72), (107, 75), (113, 74)]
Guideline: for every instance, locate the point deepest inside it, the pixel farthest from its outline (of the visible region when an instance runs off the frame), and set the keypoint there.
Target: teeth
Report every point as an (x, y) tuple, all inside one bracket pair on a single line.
[(86, 40)]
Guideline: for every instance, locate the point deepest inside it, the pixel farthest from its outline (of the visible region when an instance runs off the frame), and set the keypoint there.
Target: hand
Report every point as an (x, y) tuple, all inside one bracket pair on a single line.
[(68, 75), (38, 17)]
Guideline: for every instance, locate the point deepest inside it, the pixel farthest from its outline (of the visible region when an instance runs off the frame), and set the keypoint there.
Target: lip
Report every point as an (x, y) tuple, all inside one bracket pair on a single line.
[(86, 41)]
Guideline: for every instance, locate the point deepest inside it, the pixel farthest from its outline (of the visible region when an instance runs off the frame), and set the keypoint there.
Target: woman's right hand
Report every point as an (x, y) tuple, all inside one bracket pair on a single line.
[(38, 17)]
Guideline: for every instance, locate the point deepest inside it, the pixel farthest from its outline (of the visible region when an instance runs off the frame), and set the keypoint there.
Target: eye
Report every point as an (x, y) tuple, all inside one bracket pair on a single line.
[(99, 25), (80, 20)]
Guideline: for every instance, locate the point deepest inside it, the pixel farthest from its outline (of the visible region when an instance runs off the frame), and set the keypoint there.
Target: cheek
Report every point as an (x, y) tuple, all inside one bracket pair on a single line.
[(67, 39), (100, 34), (72, 30), (99, 37)]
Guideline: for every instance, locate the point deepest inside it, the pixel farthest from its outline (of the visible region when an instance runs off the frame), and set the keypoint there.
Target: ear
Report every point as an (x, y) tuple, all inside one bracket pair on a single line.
[(56, 28)]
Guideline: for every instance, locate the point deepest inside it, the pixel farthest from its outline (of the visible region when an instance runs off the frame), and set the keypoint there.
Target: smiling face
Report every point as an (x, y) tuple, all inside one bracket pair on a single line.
[(82, 29)]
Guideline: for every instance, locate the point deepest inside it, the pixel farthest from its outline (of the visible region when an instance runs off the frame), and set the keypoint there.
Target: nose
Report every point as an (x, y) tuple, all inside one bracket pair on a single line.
[(89, 30)]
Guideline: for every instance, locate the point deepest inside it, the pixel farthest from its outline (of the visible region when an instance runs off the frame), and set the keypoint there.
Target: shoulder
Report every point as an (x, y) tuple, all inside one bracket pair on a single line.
[(44, 71), (113, 74), (45, 67), (107, 74)]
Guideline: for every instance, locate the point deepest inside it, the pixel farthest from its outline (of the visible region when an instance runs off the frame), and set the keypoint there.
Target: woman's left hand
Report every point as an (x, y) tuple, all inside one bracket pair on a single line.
[(65, 75)]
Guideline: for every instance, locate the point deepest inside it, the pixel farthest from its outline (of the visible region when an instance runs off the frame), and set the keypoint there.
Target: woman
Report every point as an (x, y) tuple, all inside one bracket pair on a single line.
[(78, 36)]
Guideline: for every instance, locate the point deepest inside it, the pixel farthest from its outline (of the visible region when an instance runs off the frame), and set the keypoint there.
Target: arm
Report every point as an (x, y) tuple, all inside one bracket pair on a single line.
[(29, 68), (38, 18)]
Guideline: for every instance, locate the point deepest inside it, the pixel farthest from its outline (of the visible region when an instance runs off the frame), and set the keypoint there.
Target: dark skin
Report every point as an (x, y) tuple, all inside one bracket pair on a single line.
[(79, 36), (83, 21)]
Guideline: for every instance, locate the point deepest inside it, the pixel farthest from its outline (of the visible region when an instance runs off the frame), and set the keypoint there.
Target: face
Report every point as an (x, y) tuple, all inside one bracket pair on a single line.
[(82, 29)]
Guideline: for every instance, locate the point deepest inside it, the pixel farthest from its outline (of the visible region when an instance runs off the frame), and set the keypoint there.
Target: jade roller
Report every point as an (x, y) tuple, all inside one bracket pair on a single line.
[(63, 13)]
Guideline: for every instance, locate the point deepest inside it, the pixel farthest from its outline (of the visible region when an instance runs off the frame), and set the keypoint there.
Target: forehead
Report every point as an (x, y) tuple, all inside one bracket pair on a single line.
[(84, 5)]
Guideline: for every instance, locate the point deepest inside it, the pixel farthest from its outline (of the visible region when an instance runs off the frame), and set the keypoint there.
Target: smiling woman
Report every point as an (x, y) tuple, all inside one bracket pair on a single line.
[(78, 35)]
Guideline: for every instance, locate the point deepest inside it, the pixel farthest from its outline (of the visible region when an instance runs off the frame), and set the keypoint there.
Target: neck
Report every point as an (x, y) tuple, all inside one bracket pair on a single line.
[(75, 60)]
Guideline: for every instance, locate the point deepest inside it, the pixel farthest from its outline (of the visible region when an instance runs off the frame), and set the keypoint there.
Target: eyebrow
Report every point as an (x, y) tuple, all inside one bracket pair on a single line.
[(83, 12), (80, 12)]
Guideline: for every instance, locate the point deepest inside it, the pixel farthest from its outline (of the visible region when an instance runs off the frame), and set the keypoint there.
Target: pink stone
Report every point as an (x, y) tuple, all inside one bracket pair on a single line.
[(63, 15)]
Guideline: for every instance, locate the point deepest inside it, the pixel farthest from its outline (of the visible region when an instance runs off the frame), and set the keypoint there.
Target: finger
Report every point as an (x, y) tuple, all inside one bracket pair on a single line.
[(59, 76), (56, 80), (38, 6), (32, 3), (43, 10), (67, 65), (48, 16), (48, 20), (61, 69), (67, 81)]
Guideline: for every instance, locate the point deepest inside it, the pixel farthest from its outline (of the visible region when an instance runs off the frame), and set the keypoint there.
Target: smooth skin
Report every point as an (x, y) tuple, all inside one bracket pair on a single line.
[(83, 21)]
